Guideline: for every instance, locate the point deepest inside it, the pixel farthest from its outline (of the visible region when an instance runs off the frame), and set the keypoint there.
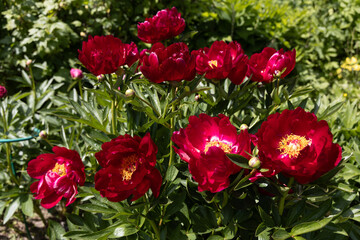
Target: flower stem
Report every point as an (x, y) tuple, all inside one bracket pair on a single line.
[(152, 223), (33, 88), (172, 127), (285, 194), (80, 89)]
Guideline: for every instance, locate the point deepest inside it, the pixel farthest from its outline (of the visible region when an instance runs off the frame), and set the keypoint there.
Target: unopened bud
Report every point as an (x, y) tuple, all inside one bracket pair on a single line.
[(129, 93), (100, 77), (43, 134), (254, 162), (82, 34), (28, 62), (76, 73), (244, 127), (3, 92), (277, 73), (197, 97)]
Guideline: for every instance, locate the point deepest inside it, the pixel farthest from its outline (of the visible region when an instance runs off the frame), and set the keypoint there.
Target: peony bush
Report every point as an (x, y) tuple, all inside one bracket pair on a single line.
[(173, 143)]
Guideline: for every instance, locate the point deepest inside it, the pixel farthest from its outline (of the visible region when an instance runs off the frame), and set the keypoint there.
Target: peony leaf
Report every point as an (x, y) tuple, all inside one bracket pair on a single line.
[(280, 234), (27, 206), (309, 226), (95, 208), (239, 160), (11, 209), (268, 221), (124, 230)]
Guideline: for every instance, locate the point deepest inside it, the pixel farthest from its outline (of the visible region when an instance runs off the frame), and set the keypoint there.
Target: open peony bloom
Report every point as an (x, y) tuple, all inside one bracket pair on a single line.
[(105, 54), (59, 174), (166, 24), (173, 63), (295, 144), (3, 92), (222, 61), (204, 143), (269, 63), (128, 168)]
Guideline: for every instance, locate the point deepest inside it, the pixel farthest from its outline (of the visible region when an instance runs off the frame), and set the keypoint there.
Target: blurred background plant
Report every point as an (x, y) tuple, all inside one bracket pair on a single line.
[(39, 43)]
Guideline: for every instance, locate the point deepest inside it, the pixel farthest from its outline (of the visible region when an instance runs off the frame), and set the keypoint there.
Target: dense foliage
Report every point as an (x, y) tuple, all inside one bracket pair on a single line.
[(40, 42)]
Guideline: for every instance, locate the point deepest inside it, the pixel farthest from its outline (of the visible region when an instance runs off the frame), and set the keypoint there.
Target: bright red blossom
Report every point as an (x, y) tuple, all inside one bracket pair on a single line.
[(296, 144), (105, 54), (204, 143), (59, 174), (128, 168), (164, 25), (173, 63), (269, 63), (222, 61)]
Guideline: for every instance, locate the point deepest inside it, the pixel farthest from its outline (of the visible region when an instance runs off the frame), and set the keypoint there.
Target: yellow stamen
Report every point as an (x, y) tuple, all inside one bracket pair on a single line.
[(128, 167), (292, 145), (60, 169), (224, 146), (213, 63)]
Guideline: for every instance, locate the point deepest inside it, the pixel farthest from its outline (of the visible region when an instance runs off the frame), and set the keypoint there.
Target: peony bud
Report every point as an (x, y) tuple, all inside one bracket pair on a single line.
[(28, 62), (82, 34), (43, 134), (100, 77), (244, 127), (3, 92), (254, 162), (129, 93), (197, 97), (76, 73)]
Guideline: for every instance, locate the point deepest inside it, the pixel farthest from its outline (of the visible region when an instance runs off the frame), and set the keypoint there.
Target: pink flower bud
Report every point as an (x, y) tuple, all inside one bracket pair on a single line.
[(76, 73), (3, 92), (28, 62)]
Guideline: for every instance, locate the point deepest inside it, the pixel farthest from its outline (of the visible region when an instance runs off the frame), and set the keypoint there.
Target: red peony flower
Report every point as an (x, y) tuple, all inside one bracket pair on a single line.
[(128, 168), (3, 92), (221, 61), (296, 144), (173, 63), (164, 25), (105, 54), (204, 143), (58, 174), (76, 73), (269, 63)]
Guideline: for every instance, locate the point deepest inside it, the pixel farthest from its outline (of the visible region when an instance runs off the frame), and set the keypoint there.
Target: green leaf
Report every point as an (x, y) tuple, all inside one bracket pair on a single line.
[(95, 208), (239, 160), (330, 110), (56, 230), (124, 230), (268, 221), (26, 78), (27, 205), (309, 226), (11, 209), (215, 237), (280, 234), (171, 173)]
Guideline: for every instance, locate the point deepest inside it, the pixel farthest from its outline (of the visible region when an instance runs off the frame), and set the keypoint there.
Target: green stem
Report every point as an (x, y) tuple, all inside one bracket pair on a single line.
[(282, 200), (172, 127), (80, 89), (33, 88), (38, 211), (152, 223), (113, 120), (243, 180)]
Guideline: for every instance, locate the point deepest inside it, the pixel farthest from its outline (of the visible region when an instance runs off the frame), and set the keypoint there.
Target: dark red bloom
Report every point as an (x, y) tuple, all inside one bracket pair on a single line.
[(204, 143), (164, 25), (59, 174), (269, 63), (296, 144), (128, 168), (105, 54), (222, 61), (173, 63), (3, 92)]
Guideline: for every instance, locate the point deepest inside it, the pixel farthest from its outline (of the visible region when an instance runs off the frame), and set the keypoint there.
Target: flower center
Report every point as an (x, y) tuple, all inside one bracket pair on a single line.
[(224, 146), (291, 145), (128, 167), (213, 63), (60, 169)]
